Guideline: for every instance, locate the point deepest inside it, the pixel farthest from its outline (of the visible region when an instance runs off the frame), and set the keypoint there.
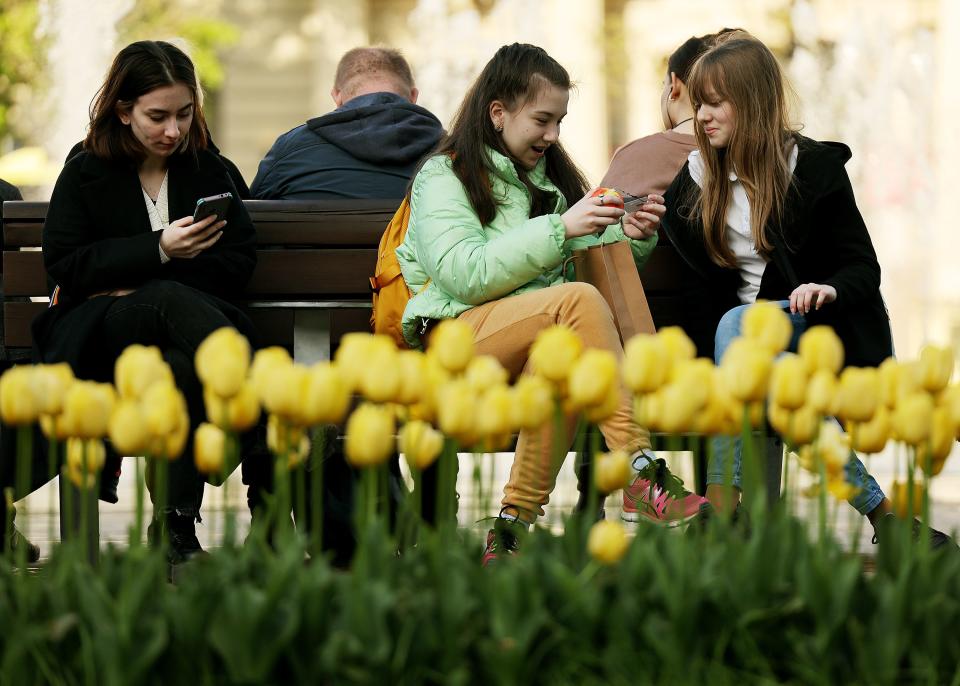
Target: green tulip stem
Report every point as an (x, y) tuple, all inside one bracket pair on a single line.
[(925, 503), (858, 524), (593, 495), (84, 503), (8, 534), (24, 453), (52, 464), (821, 495), (137, 537), (749, 458), (300, 511), (417, 495), (317, 452), (785, 487), (911, 467), (161, 468)]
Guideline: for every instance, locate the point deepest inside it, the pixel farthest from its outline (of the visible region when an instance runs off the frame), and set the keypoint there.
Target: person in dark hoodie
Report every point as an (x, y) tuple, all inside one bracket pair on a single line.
[(368, 147)]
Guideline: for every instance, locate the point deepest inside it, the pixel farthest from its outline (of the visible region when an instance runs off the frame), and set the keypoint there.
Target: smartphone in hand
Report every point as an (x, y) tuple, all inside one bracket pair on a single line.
[(212, 205), (633, 203)]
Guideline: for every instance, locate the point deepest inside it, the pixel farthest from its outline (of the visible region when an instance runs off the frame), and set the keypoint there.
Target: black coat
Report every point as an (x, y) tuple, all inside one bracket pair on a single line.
[(97, 237), (822, 239)]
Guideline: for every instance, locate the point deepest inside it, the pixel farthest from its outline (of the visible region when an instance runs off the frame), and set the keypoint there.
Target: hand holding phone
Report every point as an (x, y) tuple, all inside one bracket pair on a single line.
[(212, 205)]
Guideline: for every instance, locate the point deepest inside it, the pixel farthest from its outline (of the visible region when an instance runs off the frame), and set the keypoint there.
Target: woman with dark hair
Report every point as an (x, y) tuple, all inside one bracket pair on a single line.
[(131, 264), (494, 212), (763, 213)]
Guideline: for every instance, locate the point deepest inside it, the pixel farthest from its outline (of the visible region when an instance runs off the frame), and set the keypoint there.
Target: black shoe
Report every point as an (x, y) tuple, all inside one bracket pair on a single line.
[(938, 539), (182, 536), (18, 541)]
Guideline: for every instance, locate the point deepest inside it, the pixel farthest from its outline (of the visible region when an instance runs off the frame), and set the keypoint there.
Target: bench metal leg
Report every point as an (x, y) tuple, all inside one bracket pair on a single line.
[(311, 336), (71, 517)]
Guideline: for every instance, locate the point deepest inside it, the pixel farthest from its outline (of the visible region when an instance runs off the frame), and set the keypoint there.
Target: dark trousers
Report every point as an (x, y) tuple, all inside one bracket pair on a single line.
[(176, 319)]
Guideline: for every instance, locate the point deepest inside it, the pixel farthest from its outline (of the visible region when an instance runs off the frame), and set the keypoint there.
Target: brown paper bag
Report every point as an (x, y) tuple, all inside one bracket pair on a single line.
[(612, 270)]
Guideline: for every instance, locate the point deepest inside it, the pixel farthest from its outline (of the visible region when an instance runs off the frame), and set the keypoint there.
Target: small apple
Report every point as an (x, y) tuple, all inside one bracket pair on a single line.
[(608, 196)]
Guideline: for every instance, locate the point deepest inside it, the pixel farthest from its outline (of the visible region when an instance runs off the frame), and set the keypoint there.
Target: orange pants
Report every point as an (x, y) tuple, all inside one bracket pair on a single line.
[(505, 329)]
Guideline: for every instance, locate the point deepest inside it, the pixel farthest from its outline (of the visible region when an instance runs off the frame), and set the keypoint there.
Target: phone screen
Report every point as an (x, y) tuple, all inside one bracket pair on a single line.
[(214, 204)]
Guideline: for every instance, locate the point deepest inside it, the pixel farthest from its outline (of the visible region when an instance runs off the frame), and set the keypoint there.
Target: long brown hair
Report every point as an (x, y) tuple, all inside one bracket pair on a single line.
[(136, 70), (741, 70), (515, 76)]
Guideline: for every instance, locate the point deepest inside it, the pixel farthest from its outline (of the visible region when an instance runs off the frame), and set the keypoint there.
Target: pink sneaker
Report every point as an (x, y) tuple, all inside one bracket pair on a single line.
[(658, 496)]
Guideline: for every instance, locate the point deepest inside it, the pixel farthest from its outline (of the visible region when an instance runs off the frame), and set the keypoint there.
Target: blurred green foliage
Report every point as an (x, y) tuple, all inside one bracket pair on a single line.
[(21, 66)]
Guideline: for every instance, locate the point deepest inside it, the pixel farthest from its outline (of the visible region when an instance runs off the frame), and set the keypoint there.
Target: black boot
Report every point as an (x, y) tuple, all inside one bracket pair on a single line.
[(181, 533)]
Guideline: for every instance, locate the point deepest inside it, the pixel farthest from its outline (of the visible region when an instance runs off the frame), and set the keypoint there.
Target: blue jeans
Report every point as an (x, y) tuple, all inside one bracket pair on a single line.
[(729, 328)]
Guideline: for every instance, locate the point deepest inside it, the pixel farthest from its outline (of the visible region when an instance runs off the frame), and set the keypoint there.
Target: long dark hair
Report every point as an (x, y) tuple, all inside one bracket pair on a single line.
[(136, 70), (515, 76)]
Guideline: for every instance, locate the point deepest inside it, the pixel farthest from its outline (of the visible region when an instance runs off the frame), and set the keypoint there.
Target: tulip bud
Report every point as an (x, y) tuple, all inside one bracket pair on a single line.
[(209, 449), (821, 348), (485, 371), (831, 447), (265, 364), (684, 399), (934, 368), (596, 414), (714, 418), (768, 325), (532, 402), (84, 459), (351, 357), (282, 392), (87, 408), (222, 361), (495, 412), (648, 410), (554, 351), (127, 430), (137, 368), (858, 394), (798, 427), (841, 489), (607, 542), (53, 380), (646, 364), (678, 345), (370, 435), (745, 370), (612, 471), (871, 437), (889, 372), (381, 375), (20, 396), (592, 378), (822, 392), (420, 444), (452, 344), (286, 440), (788, 382), (901, 499), (324, 395), (456, 409), (912, 418), (412, 365), (941, 436)]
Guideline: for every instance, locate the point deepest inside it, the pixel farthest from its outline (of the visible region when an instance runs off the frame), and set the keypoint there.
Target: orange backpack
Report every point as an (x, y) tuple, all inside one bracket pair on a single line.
[(390, 292)]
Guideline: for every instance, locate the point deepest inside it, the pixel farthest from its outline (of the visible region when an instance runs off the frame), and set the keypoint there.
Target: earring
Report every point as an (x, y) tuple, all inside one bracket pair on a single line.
[(498, 126)]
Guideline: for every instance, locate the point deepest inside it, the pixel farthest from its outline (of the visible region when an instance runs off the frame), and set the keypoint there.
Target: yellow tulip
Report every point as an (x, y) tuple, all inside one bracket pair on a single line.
[(858, 394), (840, 489), (912, 418), (54, 380), (871, 437), (607, 542), (900, 495), (822, 392), (284, 438), (648, 410), (532, 402), (162, 406), (714, 418), (754, 411), (137, 368), (934, 368), (239, 413), (592, 378), (127, 429), (832, 447), (682, 400), (890, 371), (456, 410), (941, 436), (821, 348), (678, 345), (745, 370), (282, 392), (20, 396), (595, 414), (950, 399), (87, 408), (370, 435), (485, 371), (420, 444), (351, 357), (84, 459), (266, 362), (495, 412), (412, 365), (325, 396), (381, 375), (53, 426), (209, 449), (452, 344), (799, 427), (647, 362), (788, 382), (222, 361), (612, 471), (554, 351), (769, 325)]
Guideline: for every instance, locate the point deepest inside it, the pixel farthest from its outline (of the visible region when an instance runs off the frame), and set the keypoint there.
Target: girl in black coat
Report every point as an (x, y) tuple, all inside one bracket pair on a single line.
[(760, 212), (131, 264)]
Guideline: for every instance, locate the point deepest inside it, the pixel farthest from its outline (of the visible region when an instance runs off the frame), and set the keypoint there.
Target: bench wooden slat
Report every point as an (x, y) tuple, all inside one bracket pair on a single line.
[(23, 274), (16, 322)]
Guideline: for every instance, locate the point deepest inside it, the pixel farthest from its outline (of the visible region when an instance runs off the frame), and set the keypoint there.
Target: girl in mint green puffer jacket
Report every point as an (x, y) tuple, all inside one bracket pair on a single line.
[(494, 213)]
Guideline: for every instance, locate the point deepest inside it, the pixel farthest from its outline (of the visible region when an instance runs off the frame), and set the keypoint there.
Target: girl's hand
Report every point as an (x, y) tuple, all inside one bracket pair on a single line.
[(588, 216), (185, 239), (811, 294), (645, 222)]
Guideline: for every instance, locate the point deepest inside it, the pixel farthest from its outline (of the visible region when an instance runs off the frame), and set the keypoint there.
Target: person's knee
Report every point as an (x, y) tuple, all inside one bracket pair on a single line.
[(728, 328), (162, 291), (579, 294)]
